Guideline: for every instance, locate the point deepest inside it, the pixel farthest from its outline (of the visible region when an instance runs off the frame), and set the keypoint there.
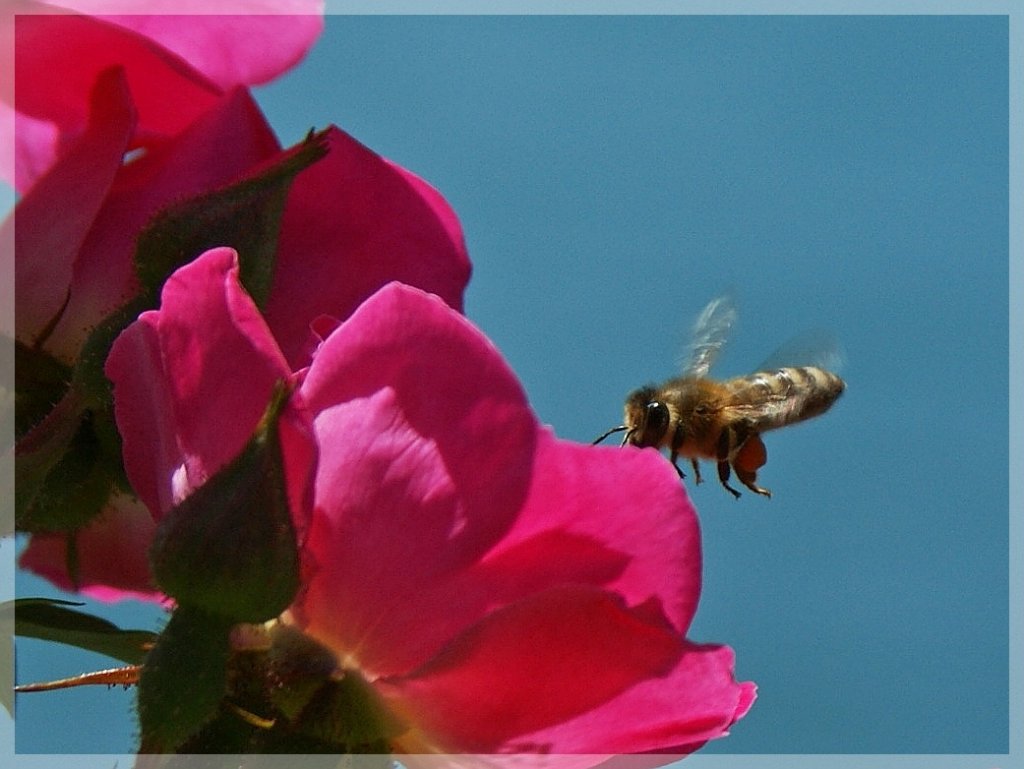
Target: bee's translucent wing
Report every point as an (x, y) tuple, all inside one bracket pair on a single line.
[(816, 347), (710, 333)]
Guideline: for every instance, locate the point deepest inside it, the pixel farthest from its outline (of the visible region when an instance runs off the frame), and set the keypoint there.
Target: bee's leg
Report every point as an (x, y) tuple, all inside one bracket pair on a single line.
[(677, 441), (751, 455), (674, 459), (696, 472), (723, 477), (725, 439), (748, 478)]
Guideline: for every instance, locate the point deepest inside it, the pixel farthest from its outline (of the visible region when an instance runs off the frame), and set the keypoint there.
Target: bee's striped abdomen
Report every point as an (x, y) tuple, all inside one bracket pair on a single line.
[(786, 395)]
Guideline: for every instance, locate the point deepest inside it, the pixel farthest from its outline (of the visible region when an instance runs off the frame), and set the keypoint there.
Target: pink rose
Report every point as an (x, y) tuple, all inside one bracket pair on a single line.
[(352, 221), (497, 589), (492, 588)]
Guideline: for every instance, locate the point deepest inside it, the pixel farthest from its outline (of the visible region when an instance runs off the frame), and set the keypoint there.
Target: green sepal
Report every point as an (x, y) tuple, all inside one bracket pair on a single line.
[(245, 215), (40, 381), (65, 468), (267, 666), (300, 666), (39, 451), (230, 546), (184, 679), (69, 461), (53, 620), (348, 713), (282, 694), (226, 732)]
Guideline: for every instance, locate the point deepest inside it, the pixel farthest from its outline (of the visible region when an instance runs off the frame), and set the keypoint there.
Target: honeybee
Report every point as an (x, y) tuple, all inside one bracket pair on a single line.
[(695, 417)]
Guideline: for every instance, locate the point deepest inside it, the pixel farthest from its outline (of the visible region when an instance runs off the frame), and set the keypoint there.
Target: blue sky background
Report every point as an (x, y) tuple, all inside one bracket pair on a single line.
[(612, 175)]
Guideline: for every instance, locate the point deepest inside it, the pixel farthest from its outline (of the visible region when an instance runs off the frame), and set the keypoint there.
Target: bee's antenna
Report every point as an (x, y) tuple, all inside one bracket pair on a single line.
[(618, 429)]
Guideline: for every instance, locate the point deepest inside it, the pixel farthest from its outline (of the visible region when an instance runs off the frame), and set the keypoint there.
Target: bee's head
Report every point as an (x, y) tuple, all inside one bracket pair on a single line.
[(646, 418)]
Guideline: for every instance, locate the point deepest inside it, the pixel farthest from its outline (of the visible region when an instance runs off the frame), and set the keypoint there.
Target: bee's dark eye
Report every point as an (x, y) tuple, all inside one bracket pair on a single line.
[(655, 423)]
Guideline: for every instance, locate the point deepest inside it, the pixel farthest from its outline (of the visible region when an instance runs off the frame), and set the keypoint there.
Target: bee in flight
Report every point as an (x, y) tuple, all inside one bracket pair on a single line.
[(695, 417)]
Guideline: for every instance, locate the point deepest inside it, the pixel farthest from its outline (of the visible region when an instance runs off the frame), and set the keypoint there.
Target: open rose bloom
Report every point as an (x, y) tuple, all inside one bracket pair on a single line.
[(481, 585), (499, 590)]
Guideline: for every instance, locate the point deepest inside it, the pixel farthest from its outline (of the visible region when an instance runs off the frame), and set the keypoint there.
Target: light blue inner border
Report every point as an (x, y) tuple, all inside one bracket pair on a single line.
[(1015, 12)]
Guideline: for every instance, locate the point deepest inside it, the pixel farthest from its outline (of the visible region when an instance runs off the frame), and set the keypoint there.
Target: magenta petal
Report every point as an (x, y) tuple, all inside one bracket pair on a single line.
[(354, 222), (30, 146), (112, 555), (145, 413), (230, 41), (422, 467), (58, 57), (593, 493), (530, 666), (54, 217), (192, 380), (177, 64), (697, 701)]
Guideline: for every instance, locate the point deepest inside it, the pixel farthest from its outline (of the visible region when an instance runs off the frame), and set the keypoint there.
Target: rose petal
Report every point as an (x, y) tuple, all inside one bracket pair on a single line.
[(422, 468), (54, 217), (529, 667), (112, 555), (60, 54), (629, 502), (144, 410), (354, 222), (232, 42), (697, 701), (58, 57), (29, 151)]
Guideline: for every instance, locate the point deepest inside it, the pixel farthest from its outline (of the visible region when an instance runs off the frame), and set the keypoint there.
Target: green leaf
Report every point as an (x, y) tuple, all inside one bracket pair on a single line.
[(184, 679), (230, 546), (52, 620), (245, 215)]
